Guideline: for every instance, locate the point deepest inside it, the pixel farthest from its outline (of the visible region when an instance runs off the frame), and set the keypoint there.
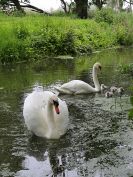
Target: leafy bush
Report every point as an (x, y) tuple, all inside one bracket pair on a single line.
[(21, 32), (13, 52), (51, 42), (37, 36), (120, 34), (46, 41), (124, 34), (68, 43), (126, 69), (104, 15), (123, 25)]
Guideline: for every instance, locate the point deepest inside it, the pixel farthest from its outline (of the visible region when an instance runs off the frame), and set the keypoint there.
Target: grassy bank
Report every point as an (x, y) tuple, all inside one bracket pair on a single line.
[(33, 37)]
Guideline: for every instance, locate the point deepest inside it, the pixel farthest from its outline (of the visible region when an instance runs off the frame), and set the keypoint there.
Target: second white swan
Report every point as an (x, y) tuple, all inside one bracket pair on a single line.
[(81, 87)]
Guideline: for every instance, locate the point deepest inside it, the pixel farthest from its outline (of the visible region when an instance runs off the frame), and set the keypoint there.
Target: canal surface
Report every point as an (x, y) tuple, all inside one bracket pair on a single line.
[(99, 140)]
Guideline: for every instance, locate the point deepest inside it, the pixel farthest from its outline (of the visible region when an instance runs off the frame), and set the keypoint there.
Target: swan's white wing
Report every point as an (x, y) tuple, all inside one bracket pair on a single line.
[(64, 90), (77, 86), (34, 112)]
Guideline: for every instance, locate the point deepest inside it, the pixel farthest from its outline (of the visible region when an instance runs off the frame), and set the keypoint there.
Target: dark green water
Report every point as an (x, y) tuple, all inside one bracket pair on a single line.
[(99, 141)]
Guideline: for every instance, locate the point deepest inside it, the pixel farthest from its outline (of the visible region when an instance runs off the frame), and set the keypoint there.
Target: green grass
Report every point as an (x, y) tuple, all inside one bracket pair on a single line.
[(33, 37)]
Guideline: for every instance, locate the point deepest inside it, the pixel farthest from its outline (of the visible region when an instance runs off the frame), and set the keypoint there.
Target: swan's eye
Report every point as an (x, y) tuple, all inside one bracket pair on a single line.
[(100, 67), (56, 103)]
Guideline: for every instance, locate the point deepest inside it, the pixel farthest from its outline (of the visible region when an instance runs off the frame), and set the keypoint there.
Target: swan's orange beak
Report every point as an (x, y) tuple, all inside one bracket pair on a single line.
[(57, 110)]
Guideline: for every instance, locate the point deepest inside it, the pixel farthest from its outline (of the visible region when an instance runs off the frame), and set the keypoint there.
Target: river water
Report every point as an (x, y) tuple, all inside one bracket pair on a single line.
[(99, 140)]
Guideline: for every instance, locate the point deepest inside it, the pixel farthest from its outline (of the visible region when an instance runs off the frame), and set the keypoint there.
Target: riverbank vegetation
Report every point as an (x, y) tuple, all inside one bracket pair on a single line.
[(126, 69), (34, 37)]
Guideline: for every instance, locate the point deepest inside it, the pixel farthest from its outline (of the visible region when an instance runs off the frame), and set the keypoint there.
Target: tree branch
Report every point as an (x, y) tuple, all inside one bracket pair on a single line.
[(128, 2), (64, 5), (36, 9)]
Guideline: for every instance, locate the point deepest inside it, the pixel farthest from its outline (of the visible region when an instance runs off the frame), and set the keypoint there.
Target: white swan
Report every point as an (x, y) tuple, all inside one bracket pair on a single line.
[(81, 87), (45, 114)]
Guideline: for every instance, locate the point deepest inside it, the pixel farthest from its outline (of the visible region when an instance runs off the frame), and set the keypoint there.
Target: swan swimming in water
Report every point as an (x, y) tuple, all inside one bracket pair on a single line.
[(81, 87), (45, 114)]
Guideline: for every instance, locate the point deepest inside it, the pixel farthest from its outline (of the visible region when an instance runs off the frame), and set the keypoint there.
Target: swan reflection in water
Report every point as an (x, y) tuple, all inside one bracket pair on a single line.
[(54, 158), (43, 160)]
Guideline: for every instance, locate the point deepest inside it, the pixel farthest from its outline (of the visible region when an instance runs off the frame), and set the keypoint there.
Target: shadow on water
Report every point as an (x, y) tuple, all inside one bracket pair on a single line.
[(99, 140), (43, 158)]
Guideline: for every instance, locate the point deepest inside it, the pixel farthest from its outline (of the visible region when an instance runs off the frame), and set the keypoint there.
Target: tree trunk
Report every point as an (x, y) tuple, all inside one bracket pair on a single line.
[(18, 6), (99, 4), (81, 8), (130, 5), (64, 6)]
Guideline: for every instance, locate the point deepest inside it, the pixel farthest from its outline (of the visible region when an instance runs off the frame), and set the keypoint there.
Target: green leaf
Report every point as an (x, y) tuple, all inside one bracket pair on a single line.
[(130, 114), (131, 100)]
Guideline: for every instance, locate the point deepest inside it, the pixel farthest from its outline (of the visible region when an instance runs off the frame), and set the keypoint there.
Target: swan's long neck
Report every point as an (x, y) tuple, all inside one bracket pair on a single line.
[(50, 119), (95, 80)]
